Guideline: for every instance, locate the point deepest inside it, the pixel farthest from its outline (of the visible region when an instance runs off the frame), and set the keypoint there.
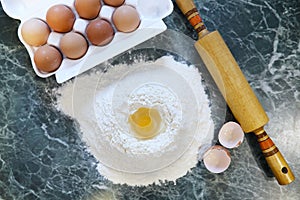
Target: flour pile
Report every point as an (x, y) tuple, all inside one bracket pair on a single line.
[(101, 103)]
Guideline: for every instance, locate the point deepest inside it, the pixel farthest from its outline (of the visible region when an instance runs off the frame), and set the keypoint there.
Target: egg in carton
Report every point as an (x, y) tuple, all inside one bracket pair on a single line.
[(79, 47)]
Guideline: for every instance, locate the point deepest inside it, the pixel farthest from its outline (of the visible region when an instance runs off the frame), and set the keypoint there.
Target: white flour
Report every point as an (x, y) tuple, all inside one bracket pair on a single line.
[(102, 102), (115, 120)]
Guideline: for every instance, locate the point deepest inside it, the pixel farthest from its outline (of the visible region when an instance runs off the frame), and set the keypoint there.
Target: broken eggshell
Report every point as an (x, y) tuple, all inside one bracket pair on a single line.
[(217, 159), (231, 135)]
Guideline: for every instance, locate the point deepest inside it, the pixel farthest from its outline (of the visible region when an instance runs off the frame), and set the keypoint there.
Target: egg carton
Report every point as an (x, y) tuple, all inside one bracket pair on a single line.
[(151, 15)]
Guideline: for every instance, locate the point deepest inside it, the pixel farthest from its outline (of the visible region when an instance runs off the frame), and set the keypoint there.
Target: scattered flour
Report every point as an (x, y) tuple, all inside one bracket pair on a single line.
[(101, 103)]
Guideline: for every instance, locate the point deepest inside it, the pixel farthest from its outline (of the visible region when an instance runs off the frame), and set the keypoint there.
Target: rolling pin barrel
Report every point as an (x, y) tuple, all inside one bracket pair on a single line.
[(236, 90), (231, 82)]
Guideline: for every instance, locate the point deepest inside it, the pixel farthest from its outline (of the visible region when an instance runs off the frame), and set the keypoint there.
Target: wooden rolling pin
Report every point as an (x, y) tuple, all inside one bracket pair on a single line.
[(236, 90)]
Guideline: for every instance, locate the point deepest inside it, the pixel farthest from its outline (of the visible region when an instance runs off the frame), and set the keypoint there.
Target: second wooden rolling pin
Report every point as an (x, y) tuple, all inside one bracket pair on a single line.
[(236, 90)]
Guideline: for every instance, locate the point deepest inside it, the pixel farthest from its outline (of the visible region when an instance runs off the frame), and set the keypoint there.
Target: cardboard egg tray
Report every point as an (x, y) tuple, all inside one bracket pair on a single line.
[(148, 28)]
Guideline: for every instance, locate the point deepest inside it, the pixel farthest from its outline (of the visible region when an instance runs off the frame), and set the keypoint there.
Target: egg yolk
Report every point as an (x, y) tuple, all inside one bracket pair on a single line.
[(145, 122)]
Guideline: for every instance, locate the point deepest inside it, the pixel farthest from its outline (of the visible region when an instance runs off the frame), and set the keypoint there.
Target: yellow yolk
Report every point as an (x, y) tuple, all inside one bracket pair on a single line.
[(145, 122), (141, 117)]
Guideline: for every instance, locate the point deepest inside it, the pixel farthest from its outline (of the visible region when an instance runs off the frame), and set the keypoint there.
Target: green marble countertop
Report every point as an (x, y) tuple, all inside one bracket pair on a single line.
[(43, 157)]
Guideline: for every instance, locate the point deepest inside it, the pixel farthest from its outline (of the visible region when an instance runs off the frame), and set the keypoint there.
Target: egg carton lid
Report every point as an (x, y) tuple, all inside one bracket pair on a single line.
[(152, 13)]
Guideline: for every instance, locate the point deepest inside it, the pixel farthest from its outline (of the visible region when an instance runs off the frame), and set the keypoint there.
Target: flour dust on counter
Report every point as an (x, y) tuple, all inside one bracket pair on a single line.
[(103, 102)]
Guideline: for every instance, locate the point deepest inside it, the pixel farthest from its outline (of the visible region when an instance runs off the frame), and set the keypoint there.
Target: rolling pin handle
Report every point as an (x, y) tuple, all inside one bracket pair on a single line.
[(274, 158), (191, 13)]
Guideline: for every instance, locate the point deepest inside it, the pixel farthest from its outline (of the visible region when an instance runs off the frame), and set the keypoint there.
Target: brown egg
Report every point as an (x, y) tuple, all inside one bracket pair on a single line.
[(126, 18), (47, 58), (114, 3), (60, 18), (35, 32), (88, 9), (73, 45), (99, 32)]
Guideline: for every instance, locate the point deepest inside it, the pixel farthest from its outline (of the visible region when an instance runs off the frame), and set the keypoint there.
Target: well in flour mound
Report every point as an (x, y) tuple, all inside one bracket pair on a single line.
[(102, 102), (149, 95)]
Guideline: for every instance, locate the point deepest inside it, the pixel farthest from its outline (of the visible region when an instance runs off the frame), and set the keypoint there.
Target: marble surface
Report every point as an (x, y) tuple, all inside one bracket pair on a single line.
[(43, 157)]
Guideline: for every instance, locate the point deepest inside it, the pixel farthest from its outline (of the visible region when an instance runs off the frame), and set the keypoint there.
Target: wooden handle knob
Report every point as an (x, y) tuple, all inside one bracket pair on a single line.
[(274, 158), (190, 11), (185, 5)]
